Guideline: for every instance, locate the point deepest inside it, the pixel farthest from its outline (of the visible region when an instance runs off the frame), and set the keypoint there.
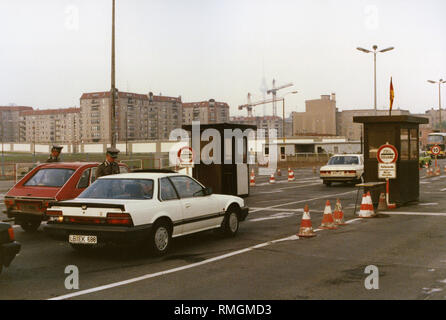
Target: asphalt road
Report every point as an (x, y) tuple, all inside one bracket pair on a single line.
[(265, 260)]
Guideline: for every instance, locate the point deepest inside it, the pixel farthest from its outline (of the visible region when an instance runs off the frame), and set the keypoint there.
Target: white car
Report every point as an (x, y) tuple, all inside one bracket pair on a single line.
[(343, 168), (145, 207)]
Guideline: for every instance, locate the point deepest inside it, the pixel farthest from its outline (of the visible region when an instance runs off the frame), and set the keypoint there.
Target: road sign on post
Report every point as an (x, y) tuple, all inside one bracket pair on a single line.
[(387, 156), (436, 150)]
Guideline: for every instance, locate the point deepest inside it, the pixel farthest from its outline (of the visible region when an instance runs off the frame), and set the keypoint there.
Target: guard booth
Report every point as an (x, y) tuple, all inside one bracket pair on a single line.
[(403, 133), (230, 175)]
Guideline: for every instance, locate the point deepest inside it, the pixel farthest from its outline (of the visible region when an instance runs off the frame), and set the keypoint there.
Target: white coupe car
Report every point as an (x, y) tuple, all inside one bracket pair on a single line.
[(145, 207), (343, 168)]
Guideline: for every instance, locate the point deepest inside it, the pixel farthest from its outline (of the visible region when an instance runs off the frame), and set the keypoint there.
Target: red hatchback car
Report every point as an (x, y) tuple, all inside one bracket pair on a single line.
[(28, 200)]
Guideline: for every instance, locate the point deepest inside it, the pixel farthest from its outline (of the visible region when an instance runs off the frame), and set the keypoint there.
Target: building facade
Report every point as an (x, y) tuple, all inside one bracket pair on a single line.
[(9, 119), (266, 123), (353, 131), (138, 116), (50, 126), (207, 112), (319, 117)]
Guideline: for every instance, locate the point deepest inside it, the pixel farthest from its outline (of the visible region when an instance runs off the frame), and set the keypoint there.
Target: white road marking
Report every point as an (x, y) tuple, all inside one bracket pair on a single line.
[(193, 265), (280, 215), (442, 214), (429, 204), (306, 185), (303, 201), (161, 273)]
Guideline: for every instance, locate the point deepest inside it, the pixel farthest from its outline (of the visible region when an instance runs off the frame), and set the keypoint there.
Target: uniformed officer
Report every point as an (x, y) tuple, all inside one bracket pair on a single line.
[(109, 166), (55, 153)]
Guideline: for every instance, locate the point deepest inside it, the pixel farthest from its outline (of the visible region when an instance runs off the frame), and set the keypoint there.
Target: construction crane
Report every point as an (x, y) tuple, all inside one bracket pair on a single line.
[(273, 91), (247, 106)]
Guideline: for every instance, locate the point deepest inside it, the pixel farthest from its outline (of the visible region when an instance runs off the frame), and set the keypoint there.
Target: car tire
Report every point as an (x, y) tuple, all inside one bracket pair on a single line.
[(30, 226), (327, 183), (231, 223), (160, 238)]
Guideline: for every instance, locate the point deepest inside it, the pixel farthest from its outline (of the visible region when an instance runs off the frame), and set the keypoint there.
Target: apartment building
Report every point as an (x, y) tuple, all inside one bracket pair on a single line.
[(9, 119), (266, 123), (206, 112), (50, 126), (319, 117), (138, 116)]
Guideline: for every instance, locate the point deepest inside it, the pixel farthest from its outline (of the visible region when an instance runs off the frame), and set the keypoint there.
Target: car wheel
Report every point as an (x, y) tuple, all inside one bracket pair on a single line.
[(30, 226), (160, 238), (327, 183), (231, 223)]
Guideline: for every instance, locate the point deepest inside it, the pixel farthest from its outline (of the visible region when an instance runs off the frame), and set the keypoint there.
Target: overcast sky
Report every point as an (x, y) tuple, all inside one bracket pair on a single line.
[(51, 51)]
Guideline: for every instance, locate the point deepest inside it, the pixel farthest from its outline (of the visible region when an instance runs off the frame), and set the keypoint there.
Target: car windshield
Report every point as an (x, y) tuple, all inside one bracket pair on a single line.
[(435, 139), (343, 160), (134, 189), (50, 178)]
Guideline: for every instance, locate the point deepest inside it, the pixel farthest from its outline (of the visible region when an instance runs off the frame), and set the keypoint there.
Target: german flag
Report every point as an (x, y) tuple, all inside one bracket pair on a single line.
[(392, 95)]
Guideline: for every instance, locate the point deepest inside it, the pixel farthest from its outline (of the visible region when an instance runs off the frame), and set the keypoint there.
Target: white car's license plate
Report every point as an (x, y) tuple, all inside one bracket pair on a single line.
[(337, 173), (77, 239)]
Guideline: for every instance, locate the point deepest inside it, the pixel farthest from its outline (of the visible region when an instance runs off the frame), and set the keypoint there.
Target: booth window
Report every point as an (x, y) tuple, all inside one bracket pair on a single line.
[(414, 144), (378, 138), (404, 144)]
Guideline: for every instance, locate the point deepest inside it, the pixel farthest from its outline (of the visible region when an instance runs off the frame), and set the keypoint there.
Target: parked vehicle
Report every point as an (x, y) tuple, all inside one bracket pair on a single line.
[(8, 246), (343, 168), (424, 159), (144, 207), (27, 201)]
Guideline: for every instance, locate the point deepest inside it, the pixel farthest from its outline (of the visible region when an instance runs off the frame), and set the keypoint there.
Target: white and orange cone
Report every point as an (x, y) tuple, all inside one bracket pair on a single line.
[(306, 229), (338, 214), (290, 175), (327, 219), (252, 179), (437, 171), (382, 202), (366, 210), (272, 180)]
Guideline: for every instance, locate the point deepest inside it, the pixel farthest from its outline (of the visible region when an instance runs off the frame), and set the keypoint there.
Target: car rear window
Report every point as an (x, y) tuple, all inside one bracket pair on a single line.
[(134, 189), (50, 178), (343, 160)]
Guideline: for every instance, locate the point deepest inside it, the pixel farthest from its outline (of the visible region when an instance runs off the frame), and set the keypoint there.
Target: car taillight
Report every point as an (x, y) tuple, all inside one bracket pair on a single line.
[(9, 203), (350, 172), (324, 172), (119, 219), (11, 234), (54, 215)]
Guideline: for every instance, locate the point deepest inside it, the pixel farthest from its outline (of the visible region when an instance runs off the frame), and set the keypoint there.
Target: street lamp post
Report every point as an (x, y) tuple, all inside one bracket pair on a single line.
[(113, 85), (440, 82), (375, 52), (283, 119)]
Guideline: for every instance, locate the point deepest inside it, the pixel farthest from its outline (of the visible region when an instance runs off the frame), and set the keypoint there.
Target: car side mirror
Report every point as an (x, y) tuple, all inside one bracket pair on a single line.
[(207, 191)]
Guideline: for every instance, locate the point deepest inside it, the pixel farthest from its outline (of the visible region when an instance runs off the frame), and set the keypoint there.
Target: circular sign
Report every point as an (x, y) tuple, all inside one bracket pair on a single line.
[(186, 155), (436, 150), (387, 154)]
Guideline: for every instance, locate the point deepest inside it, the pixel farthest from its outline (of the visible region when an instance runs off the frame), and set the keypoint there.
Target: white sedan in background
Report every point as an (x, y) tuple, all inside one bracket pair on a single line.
[(146, 207), (343, 168)]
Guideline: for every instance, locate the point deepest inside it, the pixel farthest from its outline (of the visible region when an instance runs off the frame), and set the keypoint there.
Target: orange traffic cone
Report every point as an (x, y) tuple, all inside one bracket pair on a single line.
[(437, 171), (382, 202), (327, 220), (290, 175), (252, 180), (338, 214), (306, 229), (272, 179), (366, 210)]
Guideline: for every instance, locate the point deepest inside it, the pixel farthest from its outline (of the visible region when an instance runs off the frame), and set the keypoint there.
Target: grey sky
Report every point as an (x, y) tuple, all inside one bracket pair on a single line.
[(53, 50)]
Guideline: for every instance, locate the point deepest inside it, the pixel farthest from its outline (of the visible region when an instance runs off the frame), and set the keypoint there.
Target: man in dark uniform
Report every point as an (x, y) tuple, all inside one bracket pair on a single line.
[(109, 166), (55, 153)]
